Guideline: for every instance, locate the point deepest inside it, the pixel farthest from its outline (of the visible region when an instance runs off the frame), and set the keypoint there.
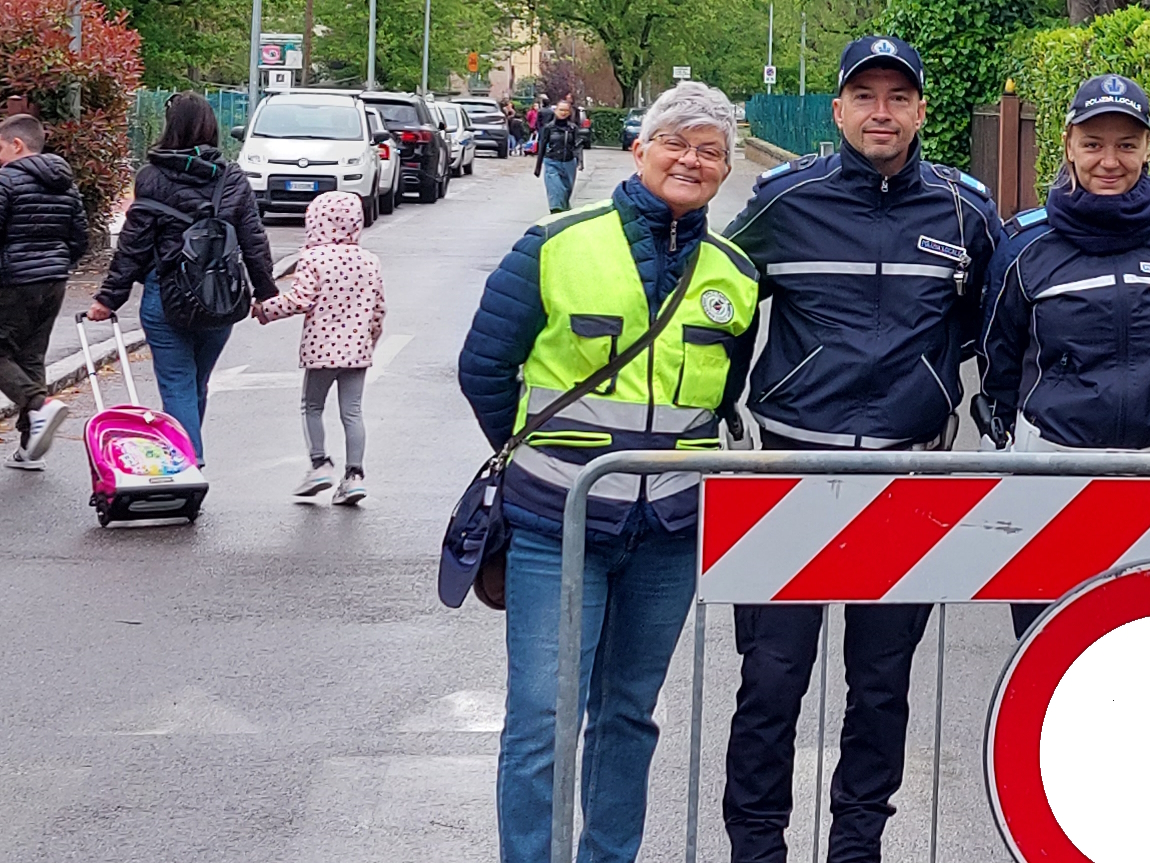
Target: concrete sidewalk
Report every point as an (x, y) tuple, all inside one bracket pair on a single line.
[(65, 359)]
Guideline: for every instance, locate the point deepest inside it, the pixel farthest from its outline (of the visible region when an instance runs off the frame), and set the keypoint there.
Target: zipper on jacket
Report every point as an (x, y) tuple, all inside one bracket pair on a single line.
[(674, 244), (885, 185), (1122, 328)]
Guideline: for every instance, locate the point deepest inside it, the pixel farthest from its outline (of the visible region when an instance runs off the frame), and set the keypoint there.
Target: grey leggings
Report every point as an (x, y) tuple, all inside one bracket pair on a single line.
[(316, 384)]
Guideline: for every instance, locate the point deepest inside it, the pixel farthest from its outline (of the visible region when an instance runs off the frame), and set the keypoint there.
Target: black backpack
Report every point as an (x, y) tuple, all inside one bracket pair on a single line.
[(209, 287)]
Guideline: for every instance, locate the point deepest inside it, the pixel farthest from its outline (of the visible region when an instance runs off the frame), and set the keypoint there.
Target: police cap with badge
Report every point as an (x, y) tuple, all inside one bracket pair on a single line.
[(1106, 94), (881, 52)]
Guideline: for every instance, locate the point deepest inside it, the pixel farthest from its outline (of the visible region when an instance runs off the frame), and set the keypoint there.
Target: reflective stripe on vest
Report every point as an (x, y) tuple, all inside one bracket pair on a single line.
[(664, 399)]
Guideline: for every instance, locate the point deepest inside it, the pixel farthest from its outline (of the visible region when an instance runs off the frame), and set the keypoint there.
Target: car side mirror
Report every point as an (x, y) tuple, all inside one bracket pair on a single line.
[(380, 137), (237, 132), (442, 127)]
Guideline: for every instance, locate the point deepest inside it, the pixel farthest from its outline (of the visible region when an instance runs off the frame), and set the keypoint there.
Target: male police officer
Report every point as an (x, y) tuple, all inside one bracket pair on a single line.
[(874, 261)]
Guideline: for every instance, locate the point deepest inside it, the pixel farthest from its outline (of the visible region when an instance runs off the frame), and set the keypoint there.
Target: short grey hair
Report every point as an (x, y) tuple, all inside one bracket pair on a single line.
[(690, 105)]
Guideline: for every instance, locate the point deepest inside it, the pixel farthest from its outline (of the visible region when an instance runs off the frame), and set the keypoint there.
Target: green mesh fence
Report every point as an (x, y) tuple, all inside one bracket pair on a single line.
[(795, 123), (146, 121)]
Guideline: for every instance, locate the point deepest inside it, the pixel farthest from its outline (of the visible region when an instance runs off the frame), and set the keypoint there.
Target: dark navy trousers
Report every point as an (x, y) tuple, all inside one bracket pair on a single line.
[(779, 645)]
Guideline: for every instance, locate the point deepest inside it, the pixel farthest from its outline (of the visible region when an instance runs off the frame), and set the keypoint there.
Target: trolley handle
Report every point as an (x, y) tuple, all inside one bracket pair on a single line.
[(121, 348)]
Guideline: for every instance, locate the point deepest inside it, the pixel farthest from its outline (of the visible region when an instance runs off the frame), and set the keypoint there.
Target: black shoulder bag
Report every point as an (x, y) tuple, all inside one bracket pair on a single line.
[(474, 554)]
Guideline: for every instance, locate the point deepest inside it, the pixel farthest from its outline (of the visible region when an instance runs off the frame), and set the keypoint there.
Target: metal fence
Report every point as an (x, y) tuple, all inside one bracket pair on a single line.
[(795, 123), (146, 121)]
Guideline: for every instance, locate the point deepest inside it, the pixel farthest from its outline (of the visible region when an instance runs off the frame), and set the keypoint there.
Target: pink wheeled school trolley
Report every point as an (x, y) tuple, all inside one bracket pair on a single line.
[(143, 463)]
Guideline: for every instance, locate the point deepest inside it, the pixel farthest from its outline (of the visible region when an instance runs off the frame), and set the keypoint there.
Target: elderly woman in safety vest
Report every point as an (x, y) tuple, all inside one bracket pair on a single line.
[(576, 291), (1065, 352)]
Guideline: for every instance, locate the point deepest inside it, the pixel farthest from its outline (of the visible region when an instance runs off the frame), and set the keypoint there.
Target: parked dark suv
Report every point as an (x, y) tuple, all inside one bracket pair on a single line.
[(423, 155), (489, 121)]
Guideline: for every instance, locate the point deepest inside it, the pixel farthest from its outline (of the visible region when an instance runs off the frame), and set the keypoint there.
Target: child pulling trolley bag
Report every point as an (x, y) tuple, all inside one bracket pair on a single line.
[(143, 463)]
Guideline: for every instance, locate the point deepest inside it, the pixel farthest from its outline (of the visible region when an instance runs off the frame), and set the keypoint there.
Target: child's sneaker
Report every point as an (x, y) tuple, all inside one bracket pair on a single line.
[(19, 460), (351, 490), (318, 479), (43, 425)]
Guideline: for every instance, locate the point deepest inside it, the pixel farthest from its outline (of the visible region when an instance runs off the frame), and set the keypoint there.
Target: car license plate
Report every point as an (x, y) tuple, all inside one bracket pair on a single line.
[(301, 185)]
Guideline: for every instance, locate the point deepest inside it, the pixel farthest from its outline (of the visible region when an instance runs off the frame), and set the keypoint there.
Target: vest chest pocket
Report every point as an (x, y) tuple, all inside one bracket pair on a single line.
[(598, 343), (706, 361)]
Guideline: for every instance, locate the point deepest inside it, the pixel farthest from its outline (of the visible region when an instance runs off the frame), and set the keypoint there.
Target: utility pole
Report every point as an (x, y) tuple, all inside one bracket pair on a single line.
[(803, 58), (426, 44), (308, 26), (77, 29), (254, 57), (771, 43), (371, 45)]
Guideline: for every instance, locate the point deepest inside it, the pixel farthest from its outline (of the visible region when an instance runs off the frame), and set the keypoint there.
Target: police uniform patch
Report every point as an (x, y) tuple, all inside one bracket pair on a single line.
[(1144, 266), (717, 307), (937, 247)]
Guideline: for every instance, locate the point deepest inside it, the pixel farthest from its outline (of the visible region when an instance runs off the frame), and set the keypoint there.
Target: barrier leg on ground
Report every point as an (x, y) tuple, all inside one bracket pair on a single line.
[(908, 527)]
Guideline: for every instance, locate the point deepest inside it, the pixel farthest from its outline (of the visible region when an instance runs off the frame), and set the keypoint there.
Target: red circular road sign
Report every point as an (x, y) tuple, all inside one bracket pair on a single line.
[(1020, 757)]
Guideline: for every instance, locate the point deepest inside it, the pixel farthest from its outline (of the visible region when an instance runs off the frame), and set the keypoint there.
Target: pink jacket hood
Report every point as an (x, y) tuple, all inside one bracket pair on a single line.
[(334, 218)]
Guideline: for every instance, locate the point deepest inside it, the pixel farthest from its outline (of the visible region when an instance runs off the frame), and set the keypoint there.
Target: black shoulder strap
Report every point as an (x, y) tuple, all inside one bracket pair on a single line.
[(611, 369), (157, 207), (218, 194)]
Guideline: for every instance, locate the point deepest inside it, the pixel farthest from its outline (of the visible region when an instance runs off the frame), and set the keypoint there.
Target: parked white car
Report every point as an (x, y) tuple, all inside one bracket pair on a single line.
[(462, 138), (301, 144)]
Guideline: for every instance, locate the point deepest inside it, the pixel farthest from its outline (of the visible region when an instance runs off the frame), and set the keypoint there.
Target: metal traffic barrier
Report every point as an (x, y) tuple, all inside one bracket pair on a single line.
[(928, 527)]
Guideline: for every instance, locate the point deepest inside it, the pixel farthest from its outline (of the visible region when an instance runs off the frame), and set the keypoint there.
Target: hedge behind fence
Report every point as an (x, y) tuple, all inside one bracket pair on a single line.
[(1049, 66)]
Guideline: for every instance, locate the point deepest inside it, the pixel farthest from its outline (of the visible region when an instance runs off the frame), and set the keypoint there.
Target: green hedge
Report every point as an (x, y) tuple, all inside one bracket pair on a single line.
[(606, 125), (1048, 67)]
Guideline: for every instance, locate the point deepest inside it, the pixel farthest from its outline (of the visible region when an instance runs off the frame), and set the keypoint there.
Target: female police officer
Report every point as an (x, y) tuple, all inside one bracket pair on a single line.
[(575, 292), (1066, 343)]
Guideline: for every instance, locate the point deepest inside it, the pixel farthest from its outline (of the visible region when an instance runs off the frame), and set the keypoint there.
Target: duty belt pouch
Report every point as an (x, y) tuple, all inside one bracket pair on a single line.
[(474, 552)]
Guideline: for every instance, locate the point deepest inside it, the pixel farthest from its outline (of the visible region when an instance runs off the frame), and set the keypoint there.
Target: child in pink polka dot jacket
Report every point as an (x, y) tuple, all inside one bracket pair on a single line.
[(339, 290)]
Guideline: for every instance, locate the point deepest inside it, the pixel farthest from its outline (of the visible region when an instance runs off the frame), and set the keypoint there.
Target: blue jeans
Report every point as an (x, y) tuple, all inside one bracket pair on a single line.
[(183, 361), (559, 180), (638, 590)]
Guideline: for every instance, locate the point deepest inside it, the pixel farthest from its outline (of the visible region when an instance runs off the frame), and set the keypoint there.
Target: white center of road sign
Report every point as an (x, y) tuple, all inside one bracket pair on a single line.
[(1095, 752), (681, 73), (770, 75)]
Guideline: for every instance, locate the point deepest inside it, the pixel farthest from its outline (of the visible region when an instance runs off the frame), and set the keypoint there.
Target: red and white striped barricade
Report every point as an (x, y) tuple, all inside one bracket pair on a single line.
[(869, 527)]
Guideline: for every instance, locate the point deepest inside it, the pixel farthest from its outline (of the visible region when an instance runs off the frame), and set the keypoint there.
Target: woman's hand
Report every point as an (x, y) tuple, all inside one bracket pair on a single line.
[(258, 313), (98, 311)]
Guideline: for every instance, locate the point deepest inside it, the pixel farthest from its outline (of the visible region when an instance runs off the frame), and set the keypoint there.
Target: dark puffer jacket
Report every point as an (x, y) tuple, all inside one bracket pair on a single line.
[(43, 227), (185, 179)]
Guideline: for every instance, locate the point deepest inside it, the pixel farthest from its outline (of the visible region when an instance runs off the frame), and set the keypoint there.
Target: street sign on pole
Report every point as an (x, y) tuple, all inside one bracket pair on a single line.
[(473, 62), (681, 73), (770, 75), (1066, 748)]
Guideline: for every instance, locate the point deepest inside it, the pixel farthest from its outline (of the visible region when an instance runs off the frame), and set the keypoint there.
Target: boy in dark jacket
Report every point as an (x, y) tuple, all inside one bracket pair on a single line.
[(43, 233)]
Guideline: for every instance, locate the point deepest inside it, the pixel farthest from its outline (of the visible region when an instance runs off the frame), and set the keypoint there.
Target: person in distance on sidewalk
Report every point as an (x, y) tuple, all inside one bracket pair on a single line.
[(339, 289), (874, 259), (44, 232)]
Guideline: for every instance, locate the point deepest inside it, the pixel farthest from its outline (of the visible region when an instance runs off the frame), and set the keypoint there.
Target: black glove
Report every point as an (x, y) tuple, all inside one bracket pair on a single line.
[(989, 425)]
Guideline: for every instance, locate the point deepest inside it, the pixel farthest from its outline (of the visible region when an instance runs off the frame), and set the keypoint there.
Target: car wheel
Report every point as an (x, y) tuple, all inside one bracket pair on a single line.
[(503, 150), (469, 167), (370, 204), (429, 191), (387, 202), (458, 172)]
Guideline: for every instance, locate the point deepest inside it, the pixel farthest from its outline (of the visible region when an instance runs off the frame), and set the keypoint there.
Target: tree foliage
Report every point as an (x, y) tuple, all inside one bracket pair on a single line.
[(37, 62), (1049, 66), (965, 46)]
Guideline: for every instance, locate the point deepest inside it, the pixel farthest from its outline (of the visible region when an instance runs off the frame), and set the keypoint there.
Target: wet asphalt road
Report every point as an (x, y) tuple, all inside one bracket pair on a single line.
[(279, 683)]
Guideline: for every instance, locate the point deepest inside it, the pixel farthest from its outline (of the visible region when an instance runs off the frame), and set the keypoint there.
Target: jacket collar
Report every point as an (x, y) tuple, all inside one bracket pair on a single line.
[(639, 205), (861, 174), (197, 166)]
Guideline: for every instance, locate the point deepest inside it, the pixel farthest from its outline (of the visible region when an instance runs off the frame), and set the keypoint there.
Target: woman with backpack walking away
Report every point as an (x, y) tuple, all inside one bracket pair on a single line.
[(339, 289), (185, 174)]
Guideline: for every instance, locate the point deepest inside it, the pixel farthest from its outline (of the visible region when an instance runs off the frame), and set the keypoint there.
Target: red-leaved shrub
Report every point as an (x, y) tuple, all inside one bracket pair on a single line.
[(36, 62)]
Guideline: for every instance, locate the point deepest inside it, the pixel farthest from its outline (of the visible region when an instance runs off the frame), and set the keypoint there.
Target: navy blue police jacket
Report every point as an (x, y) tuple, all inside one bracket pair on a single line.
[(511, 316), (1067, 338), (868, 324)]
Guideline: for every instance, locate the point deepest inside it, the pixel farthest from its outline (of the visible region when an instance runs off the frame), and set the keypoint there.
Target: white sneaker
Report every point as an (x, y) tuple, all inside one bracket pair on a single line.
[(316, 480), (44, 423), (19, 461), (350, 492)]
